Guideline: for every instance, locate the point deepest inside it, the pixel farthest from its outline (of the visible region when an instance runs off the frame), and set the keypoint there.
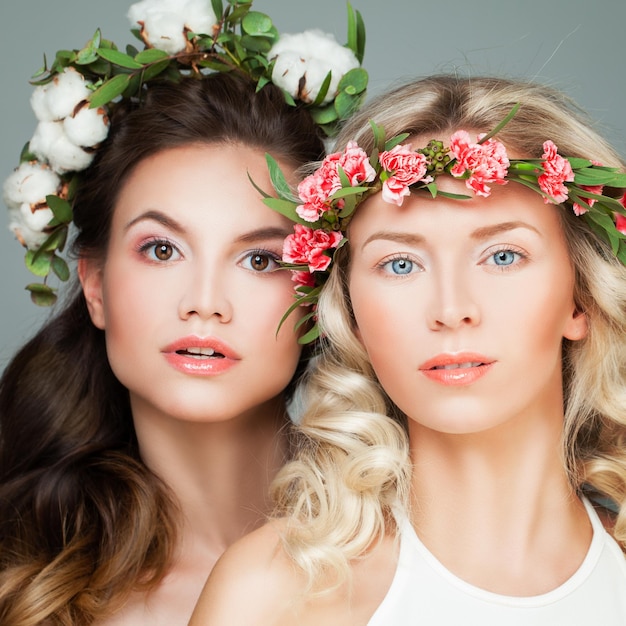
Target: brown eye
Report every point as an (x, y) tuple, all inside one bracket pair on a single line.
[(163, 252), (259, 262)]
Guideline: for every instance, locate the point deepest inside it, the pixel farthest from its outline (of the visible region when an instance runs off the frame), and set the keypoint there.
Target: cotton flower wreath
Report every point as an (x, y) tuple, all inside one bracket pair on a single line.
[(74, 97), (328, 197)]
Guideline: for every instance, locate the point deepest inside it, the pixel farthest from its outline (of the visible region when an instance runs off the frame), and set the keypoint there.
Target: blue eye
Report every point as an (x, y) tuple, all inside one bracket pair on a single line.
[(261, 261), (400, 267), (505, 257)]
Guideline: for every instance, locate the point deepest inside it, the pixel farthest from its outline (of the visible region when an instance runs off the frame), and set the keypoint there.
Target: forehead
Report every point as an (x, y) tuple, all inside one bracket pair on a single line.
[(440, 219)]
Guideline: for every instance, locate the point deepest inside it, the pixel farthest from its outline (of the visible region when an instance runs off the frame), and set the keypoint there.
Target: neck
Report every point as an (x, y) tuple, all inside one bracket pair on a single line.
[(219, 472), (496, 507)]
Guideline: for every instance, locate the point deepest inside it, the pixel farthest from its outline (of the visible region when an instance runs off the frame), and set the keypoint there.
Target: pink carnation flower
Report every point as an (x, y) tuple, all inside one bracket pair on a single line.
[(307, 246), (356, 164), (620, 220), (303, 279), (556, 172), (315, 189), (405, 167), (597, 189), (487, 163)]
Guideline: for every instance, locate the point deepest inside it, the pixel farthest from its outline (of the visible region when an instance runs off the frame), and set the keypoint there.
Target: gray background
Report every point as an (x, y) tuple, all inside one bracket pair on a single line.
[(576, 45)]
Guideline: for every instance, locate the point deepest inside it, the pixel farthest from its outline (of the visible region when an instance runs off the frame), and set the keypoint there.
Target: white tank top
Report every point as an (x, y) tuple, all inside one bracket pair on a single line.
[(423, 592)]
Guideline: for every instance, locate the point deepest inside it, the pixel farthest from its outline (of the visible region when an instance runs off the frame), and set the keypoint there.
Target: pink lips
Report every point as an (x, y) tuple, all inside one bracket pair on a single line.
[(462, 368), (199, 356)]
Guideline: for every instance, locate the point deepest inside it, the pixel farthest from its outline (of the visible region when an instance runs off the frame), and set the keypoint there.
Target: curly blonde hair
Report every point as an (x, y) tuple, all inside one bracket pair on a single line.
[(352, 465)]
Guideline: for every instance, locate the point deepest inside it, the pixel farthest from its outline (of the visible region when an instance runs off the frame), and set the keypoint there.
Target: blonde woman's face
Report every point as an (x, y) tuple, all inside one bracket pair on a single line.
[(190, 296), (462, 305)]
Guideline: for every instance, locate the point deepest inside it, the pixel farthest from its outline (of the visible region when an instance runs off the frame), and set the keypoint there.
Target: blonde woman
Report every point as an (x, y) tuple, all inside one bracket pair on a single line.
[(490, 329)]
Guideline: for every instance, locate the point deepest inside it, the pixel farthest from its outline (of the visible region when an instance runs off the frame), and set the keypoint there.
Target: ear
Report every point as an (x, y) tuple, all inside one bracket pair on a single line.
[(576, 327), (90, 276)]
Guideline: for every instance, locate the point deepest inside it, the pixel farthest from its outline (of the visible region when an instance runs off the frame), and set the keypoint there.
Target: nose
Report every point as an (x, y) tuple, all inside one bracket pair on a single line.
[(453, 303), (206, 295)]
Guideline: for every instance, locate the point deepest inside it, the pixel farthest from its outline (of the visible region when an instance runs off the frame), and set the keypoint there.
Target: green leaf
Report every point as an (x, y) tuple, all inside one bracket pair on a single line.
[(42, 295), (452, 196), (26, 154), (256, 43), (60, 208), (354, 82), (151, 55), (100, 67), (344, 192), (89, 53), (217, 65), (360, 29), (263, 193), (119, 58), (502, 124), (321, 94), (256, 23), (60, 268), (286, 208), (395, 141), (38, 263), (279, 182), (324, 115), (218, 8), (304, 319), (579, 163), (352, 42), (346, 104), (56, 241), (109, 90), (310, 336)]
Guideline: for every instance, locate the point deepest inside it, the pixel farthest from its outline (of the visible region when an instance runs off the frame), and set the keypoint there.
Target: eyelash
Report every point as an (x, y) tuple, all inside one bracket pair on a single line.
[(382, 266), (505, 248), (152, 244), (272, 256)]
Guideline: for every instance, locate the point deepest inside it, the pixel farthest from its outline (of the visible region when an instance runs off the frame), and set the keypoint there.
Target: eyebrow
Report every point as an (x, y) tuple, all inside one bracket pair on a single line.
[(495, 229), (156, 216), (263, 234), (387, 235), (254, 236), (479, 234)]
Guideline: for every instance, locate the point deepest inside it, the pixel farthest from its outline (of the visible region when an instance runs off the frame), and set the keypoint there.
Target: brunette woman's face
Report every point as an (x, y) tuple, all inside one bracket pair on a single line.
[(190, 296), (462, 305)]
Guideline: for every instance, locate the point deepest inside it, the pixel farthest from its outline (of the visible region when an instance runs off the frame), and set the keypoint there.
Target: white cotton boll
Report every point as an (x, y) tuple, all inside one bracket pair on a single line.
[(166, 32), (87, 127), (164, 21), (30, 183), (45, 136), (64, 92), (39, 104), (35, 220), (51, 144), (288, 70), (320, 53), (27, 237), (199, 16), (68, 157)]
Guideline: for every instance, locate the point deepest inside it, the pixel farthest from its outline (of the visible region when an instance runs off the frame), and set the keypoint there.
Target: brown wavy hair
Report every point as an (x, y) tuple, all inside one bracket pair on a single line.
[(83, 521)]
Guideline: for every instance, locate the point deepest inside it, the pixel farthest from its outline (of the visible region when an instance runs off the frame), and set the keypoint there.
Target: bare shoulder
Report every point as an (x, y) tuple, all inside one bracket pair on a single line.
[(253, 582)]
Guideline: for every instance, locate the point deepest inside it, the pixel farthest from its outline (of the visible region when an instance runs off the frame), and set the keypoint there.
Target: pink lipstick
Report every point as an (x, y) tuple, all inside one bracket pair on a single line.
[(201, 356), (462, 368)]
